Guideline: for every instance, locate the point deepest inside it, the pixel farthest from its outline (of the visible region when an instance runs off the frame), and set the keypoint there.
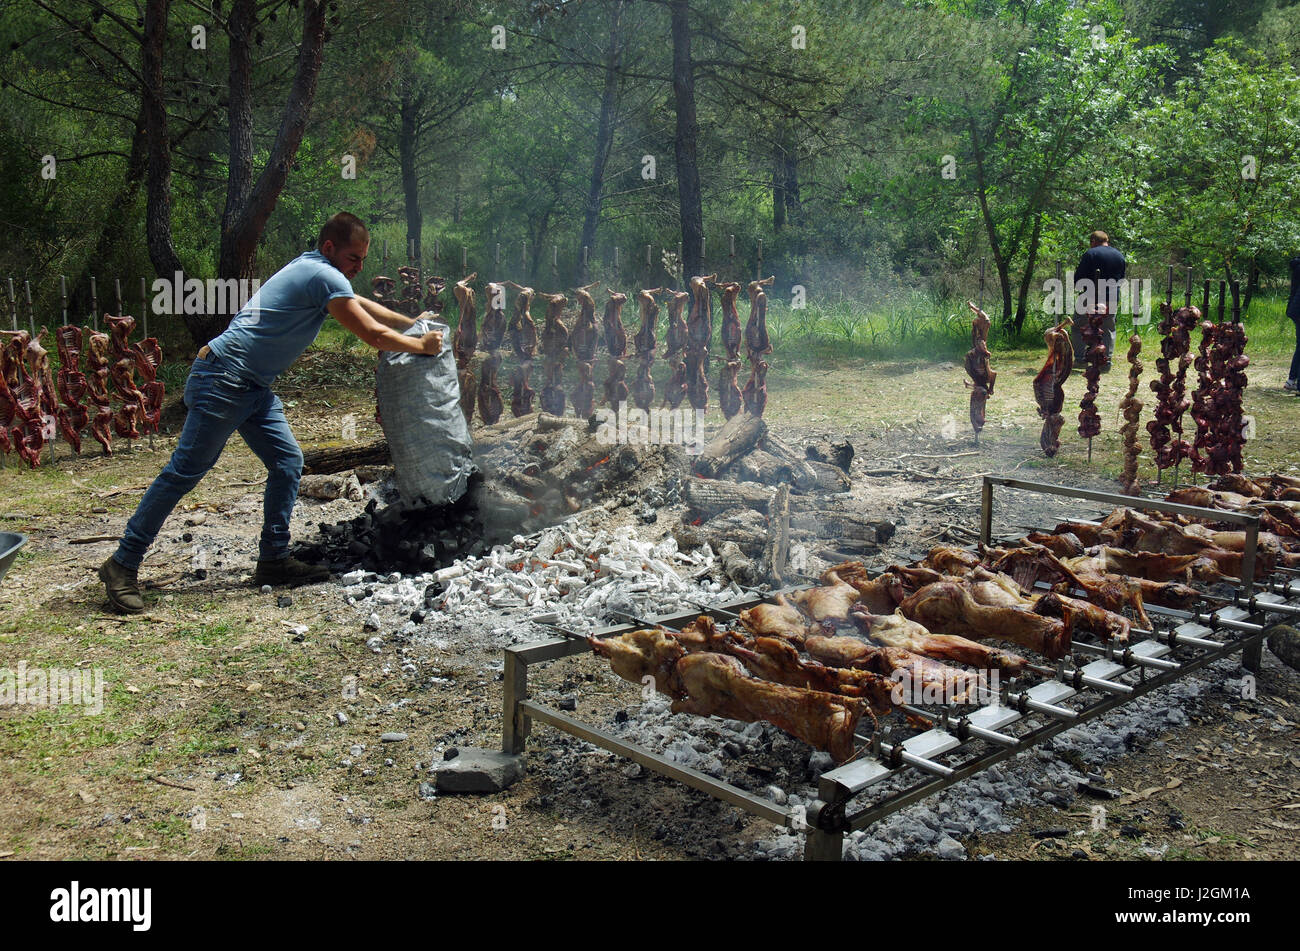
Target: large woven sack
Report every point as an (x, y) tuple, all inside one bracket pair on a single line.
[(419, 409)]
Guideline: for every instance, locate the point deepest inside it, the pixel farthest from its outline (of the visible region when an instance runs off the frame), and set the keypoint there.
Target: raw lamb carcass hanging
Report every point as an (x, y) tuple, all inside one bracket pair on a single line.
[(465, 342), (977, 368), (554, 346), (643, 389), (523, 340), (583, 341)]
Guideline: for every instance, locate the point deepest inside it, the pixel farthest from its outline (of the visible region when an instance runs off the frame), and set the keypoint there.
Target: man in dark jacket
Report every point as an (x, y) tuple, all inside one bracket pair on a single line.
[(1293, 311), (1100, 257)]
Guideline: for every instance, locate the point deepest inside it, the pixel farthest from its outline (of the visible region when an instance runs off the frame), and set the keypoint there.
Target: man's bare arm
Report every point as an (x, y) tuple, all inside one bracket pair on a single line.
[(389, 318), (356, 318)]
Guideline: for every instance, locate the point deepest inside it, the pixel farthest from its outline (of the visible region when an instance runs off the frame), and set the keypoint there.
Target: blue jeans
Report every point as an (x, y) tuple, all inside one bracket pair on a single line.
[(221, 402), (1295, 359)]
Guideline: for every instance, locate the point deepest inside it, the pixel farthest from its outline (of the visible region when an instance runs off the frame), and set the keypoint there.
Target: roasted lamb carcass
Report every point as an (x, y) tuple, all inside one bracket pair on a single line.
[(952, 607), (73, 415), (465, 340), (97, 354), (879, 595), (718, 685), (494, 318), (895, 630), (381, 289), (433, 288), (779, 618), (1166, 427), (650, 652), (977, 367), (829, 602), (903, 667), (489, 390)]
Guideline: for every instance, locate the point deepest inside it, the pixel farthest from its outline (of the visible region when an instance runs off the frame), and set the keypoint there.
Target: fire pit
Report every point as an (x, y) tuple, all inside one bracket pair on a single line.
[(938, 745)]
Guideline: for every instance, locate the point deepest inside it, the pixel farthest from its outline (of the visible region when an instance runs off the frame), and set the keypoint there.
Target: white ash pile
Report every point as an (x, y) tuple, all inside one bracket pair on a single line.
[(569, 576)]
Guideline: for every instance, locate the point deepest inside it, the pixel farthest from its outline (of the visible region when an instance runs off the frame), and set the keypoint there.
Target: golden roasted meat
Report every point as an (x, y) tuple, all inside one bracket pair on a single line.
[(828, 602), (780, 619), (985, 610), (718, 685), (648, 652), (895, 630), (908, 670)]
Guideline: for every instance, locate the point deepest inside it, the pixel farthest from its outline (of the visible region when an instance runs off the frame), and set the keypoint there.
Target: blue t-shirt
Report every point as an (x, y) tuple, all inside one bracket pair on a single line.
[(281, 320)]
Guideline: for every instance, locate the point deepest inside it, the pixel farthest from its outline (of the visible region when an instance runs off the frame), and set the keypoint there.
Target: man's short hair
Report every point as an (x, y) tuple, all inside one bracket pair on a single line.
[(1099, 237), (344, 229)]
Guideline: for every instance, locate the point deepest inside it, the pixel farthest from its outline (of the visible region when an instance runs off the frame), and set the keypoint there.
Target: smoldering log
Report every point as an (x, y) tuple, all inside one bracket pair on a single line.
[(738, 566), (763, 467), (738, 436), (830, 479), (708, 497), (776, 550), (802, 476), (742, 526), (341, 458), (846, 526), (838, 453)]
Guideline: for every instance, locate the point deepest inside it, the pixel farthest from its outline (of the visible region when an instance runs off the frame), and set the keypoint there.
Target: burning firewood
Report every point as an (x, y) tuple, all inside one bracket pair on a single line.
[(554, 346), (1131, 408), (977, 368)]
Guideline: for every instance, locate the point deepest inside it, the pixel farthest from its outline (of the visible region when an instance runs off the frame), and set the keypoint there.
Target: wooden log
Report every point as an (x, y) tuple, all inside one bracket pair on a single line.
[(339, 458), (547, 423), (738, 566), (708, 497), (763, 467), (845, 526), (838, 453), (738, 436), (802, 476), (744, 527), (830, 479), (776, 550)]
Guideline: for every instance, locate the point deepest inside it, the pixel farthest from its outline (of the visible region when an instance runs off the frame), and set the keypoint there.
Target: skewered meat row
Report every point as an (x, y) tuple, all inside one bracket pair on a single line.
[(523, 339), (1094, 336), (616, 391), (1216, 405), (583, 341), (757, 344), (977, 367), (1049, 385), (1131, 409), (1166, 428), (729, 396), (465, 342), (554, 346), (643, 389), (699, 331), (675, 347), (494, 333)]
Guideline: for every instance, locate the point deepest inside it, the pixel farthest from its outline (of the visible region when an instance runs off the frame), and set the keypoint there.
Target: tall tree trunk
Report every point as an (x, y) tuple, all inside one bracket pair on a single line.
[(137, 165), (604, 141), (999, 260), (1031, 258), (158, 213), (689, 199), (1252, 285), (245, 219), (408, 147), (778, 187)]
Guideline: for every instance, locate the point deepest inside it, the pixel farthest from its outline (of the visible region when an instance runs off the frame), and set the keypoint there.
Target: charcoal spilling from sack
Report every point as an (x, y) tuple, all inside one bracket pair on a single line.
[(417, 539)]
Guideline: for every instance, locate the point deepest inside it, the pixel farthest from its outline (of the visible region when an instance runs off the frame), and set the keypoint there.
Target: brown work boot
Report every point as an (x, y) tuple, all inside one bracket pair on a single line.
[(289, 572), (121, 586)]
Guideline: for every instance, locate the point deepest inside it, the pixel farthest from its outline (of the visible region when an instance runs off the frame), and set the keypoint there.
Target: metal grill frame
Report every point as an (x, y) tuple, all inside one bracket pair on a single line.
[(827, 820)]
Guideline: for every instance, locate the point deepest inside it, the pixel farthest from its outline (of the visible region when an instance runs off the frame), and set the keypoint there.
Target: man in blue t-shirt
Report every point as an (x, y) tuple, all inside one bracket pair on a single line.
[(1099, 260), (228, 390)]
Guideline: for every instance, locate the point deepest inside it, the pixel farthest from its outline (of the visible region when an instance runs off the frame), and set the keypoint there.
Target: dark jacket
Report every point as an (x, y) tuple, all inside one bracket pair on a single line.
[(1293, 305)]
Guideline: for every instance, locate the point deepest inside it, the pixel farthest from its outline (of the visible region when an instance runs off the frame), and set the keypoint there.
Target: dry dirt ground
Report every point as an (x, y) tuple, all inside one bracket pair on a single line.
[(219, 736)]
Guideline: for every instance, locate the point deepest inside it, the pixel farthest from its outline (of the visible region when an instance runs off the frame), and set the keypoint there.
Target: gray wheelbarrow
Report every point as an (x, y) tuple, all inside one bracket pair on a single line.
[(10, 543)]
